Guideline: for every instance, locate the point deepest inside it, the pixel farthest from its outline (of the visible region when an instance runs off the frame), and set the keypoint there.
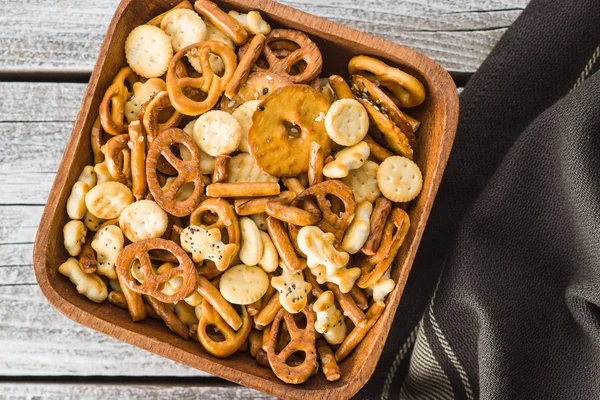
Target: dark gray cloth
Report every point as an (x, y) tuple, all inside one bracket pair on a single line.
[(515, 230)]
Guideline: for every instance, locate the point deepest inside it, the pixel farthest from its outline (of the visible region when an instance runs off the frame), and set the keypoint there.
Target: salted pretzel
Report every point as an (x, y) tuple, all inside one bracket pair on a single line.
[(292, 215), (406, 90), (232, 340), (316, 161), (170, 319), (152, 110), (112, 108), (116, 151), (283, 245), (138, 160), (96, 141), (394, 233), (257, 205), (330, 221), (346, 302), (223, 21), (380, 214), (153, 284), (188, 171), (306, 51), (247, 60), (301, 340), (226, 218), (211, 84), (359, 332)]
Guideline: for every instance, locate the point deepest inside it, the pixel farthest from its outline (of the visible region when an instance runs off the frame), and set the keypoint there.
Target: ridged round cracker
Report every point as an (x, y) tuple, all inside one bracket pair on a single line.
[(399, 179), (107, 200), (148, 51), (143, 220), (243, 168), (217, 133), (363, 182), (243, 284), (243, 114), (184, 27), (347, 122)]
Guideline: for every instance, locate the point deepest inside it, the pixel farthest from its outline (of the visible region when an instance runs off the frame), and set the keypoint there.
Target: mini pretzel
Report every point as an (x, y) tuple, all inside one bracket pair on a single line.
[(381, 210), (307, 51), (96, 141), (226, 218), (347, 304), (189, 171), (165, 313), (213, 296), (155, 108), (223, 21), (138, 160), (209, 83), (243, 189), (315, 164), (87, 258), (340, 87), (406, 89), (292, 215), (330, 222), (233, 340), (329, 365), (283, 245), (112, 108), (118, 299), (153, 284), (251, 206), (158, 19), (302, 340), (390, 244), (247, 60), (359, 332), (119, 170)]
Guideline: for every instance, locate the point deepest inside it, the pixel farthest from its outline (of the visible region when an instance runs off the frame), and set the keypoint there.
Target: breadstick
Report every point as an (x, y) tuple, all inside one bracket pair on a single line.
[(254, 308), (310, 278), (255, 342), (96, 140), (292, 215), (246, 62), (223, 21), (242, 189)]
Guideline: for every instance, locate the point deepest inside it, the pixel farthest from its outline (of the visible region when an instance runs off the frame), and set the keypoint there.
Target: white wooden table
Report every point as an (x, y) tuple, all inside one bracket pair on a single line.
[(47, 51)]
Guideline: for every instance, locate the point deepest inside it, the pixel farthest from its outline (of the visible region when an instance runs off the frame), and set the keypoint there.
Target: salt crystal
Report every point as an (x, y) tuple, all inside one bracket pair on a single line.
[(231, 103), (269, 77), (256, 95)]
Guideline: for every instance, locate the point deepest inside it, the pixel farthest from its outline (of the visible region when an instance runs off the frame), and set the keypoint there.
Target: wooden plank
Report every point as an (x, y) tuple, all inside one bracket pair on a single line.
[(64, 36), (126, 391)]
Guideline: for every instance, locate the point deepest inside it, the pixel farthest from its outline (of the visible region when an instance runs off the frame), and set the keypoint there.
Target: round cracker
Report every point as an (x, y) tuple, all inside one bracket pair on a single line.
[(184, 27), (107, 200), (363, 182), (399, 179), (143, 220), (217, 133), (243, 284), (347, 122), (243, 168), (243, 114), (148, 51)]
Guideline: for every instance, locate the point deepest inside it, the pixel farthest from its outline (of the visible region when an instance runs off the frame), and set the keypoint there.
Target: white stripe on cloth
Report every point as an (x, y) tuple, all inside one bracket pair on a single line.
[(588, 68), (399, 358)]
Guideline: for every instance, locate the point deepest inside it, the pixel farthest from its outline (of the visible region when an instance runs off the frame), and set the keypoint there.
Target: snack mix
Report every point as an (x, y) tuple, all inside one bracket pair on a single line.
[(241, 197)]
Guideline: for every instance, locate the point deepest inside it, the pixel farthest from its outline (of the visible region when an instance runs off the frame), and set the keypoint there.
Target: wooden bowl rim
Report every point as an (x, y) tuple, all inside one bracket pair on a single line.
[(446, 95)]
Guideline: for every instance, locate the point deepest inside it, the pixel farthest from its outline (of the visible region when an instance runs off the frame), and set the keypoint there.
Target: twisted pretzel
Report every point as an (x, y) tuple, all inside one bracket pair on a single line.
[(330, 221), (223, 21), (302, 340), (210, 84), (406, 90), (112, 108), (116, 152), (188, 171), (153, 284), (232, 340), (226, 218), (394, 233), (302, 49), (151, 112)]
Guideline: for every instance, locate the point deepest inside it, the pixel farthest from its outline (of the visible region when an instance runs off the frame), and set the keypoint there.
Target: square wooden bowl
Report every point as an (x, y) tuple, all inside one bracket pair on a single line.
[(439, 114)]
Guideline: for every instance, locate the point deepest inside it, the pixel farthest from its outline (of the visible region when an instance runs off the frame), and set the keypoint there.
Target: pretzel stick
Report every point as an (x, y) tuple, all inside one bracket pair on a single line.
[(212, 295), (310, 278), (340, 87), (87, 258), (138, 160), (292, 215), (254, 308), (209, 270), (315, 164), (268, 312), (283, 245), (221, 169), (414, 123), (118, 299), (257, 205), (262, 359), (96, 140), (247, 60), (378, 152), (194, 332), (294, 185), (223, 21), (348, 305), (359, 297), (359, 332), (330, 367), (158, 19), (242, 189), (381, 211), (255, 342), (135, 305), (169, 317)]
